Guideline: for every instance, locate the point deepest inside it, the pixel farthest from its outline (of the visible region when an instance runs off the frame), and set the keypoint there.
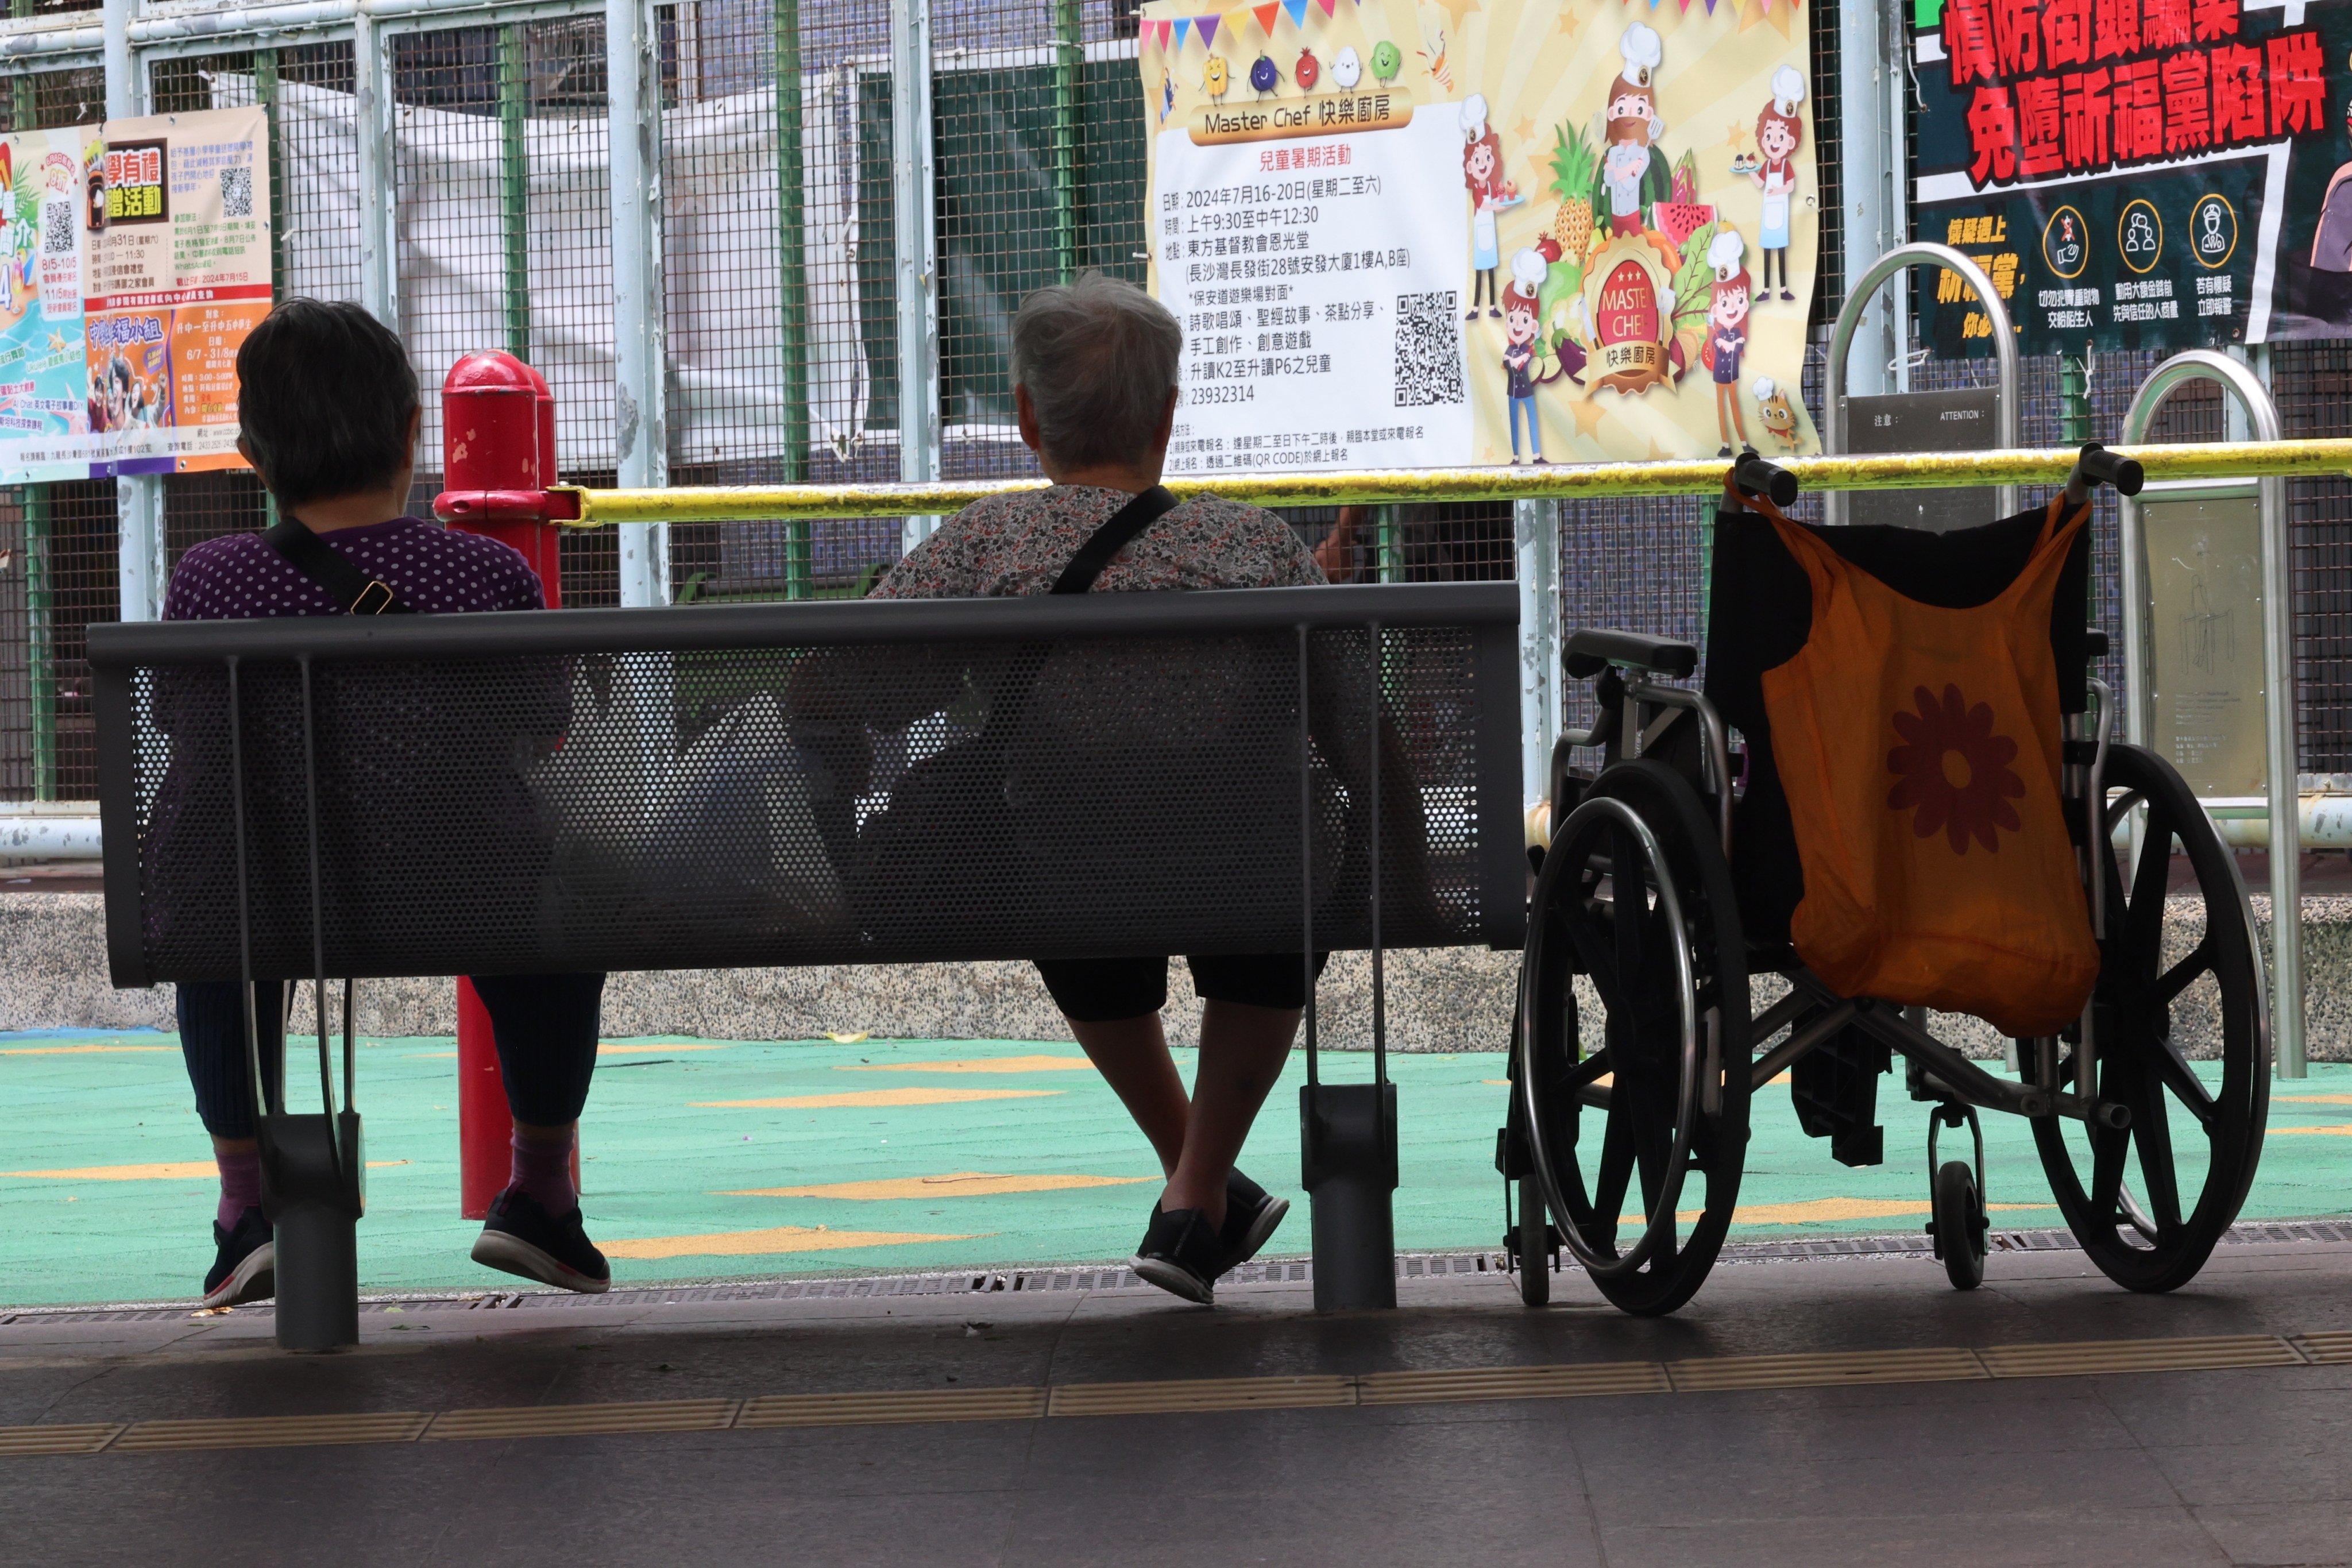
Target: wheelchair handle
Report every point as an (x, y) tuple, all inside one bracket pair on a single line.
[(2097, 465), (1757, 476)]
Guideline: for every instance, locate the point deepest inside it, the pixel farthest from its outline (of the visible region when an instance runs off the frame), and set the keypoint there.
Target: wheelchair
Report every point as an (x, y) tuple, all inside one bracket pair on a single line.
[(1664, 895)]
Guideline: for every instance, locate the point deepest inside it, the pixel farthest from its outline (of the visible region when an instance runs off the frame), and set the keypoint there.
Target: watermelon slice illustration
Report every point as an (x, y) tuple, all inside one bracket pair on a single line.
[(1679, 220)]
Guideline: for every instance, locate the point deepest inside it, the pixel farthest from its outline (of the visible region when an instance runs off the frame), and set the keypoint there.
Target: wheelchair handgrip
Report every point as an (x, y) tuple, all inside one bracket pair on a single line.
[(2097, 465), (1757, 476)]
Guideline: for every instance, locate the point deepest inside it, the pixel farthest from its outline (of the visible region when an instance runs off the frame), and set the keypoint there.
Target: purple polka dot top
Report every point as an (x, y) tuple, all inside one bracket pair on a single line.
[(434, 570)]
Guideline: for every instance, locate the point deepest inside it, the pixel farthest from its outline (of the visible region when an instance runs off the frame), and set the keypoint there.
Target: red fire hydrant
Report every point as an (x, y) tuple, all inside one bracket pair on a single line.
[(497, 458)]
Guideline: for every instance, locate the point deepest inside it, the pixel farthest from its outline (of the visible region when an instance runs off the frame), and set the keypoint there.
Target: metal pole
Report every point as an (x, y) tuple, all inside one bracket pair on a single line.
[(1894, 44), (1862, 174), (914, 182), (23, 90), (1069, 56), (793, 281), (514, 186), (264, 92), (138, 497), (1536, 530), (2281, 761), (1892, 265), (40, 646), (375, 175), (633, 76)]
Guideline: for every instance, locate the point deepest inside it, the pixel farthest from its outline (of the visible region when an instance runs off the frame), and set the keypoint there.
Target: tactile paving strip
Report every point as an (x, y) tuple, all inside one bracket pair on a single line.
[(273, 1432), (86, 1437), (584, 1420), (1823, 1370), (1200, 1394), (2086, 1358), (1177, 1395), (1462, 1384), (893, 1405)]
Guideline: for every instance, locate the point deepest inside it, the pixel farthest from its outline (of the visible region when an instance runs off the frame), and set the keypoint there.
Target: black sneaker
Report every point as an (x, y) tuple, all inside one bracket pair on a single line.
[(521, 1238), (1252, 1214), (246, 1267), (1182, 1253)]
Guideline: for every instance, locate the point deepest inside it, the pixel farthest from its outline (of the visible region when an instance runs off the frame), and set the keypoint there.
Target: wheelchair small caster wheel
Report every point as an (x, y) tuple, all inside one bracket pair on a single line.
[(1959, 1225), (1534, 1245)]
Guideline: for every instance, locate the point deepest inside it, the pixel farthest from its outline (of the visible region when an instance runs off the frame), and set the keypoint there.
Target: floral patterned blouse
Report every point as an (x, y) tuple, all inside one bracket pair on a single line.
[(1015, 544)]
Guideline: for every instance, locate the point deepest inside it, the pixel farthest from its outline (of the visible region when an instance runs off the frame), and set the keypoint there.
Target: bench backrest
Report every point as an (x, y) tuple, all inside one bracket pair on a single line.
[(812, 784)]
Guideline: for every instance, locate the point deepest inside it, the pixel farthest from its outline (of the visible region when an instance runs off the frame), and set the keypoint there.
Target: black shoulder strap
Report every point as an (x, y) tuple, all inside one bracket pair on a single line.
[(358, 594), (1121, 527)]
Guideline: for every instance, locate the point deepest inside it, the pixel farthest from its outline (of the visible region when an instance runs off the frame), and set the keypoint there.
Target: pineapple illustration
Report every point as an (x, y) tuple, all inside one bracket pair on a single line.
[(1572, 162)]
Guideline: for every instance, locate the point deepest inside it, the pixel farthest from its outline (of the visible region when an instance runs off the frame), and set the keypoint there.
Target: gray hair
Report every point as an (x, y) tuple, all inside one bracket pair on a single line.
[(1098, 357)]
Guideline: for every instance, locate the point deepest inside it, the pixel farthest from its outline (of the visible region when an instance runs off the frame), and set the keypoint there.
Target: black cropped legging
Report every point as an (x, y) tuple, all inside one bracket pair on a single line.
[(545, 1025)]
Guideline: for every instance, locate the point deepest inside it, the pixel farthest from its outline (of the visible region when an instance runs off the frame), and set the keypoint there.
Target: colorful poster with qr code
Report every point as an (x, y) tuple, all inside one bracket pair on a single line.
[(155, 234), (1413, 235), (44, 427)]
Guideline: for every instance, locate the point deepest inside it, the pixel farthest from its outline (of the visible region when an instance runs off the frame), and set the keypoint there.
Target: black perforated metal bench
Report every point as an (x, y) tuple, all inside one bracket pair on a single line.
[(866, 783)]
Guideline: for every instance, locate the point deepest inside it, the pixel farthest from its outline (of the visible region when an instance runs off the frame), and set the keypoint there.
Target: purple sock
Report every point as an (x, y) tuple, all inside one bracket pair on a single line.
[(241, 1177), (542, 1167)]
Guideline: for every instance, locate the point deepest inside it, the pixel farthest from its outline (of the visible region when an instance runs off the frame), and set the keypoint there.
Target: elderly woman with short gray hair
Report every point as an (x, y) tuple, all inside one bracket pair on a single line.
[(1095, 384)]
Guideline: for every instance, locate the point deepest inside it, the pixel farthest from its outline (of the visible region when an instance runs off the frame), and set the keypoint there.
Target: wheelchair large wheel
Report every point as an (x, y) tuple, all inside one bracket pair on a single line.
[(2149, 1201), (1634, 893)]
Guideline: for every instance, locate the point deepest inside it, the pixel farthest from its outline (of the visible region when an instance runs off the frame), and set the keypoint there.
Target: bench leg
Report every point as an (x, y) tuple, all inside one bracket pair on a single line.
[(316, 1216), (1348, 1139)]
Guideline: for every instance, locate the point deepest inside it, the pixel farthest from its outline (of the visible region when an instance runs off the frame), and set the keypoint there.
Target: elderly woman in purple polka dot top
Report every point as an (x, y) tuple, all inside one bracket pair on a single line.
[(329, 416)]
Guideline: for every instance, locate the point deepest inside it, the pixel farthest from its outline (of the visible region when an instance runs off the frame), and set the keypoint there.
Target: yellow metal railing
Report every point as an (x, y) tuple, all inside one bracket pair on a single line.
[(1565, 481)]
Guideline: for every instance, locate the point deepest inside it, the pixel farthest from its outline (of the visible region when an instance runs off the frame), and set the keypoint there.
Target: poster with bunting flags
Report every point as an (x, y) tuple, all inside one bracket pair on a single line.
[(1417, 233)]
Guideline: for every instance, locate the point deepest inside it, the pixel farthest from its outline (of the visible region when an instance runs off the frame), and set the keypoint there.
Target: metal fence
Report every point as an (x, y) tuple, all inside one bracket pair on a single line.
[(805, 166)]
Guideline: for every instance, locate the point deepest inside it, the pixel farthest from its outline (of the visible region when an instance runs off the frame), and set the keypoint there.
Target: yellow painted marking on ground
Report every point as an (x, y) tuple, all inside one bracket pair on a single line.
[(2315, 1099), (856, 1038), (2340, 1132), (875, 1096), (1605, 1080), (1716, 1375), (1815, 1209), (765, 1243), (957, 1184), (163, 1171), (978, 1064), (77, 1050)]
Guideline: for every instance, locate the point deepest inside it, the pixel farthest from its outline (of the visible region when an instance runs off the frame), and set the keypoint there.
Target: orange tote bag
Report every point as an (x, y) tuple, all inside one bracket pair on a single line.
[(1919, 748)]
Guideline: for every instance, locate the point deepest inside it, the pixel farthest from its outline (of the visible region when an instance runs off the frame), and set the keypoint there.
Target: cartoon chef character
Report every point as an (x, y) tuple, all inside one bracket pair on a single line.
[(1632, 170), (1779, 133), (1773, 408), (1727, 331), (1482, 172), (1521, 327)]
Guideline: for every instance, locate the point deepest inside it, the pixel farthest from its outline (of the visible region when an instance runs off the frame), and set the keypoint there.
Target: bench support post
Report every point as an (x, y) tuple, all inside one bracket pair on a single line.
[(312, 1189), (1347, 1137)]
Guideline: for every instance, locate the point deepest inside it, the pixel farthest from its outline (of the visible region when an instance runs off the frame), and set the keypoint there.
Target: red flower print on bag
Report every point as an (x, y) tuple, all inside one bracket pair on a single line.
[(1954, 771)]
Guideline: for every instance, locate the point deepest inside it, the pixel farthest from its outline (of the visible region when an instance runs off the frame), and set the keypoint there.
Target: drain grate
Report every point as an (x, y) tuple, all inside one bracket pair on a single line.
[(1463, 1384), (1200, 1394), (1411, 1266), (273, 1432), (2088, 1357), (885, 1407), (584, 1420), (87, 1437), (1830, 1370)]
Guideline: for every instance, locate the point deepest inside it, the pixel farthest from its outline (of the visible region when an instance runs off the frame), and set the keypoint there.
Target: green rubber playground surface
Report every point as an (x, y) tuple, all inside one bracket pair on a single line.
[(716, 1159)]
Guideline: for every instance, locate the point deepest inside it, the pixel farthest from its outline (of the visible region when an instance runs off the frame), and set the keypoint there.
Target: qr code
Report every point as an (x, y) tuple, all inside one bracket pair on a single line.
[(1428, 349), (236, 193), (57, 228)]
